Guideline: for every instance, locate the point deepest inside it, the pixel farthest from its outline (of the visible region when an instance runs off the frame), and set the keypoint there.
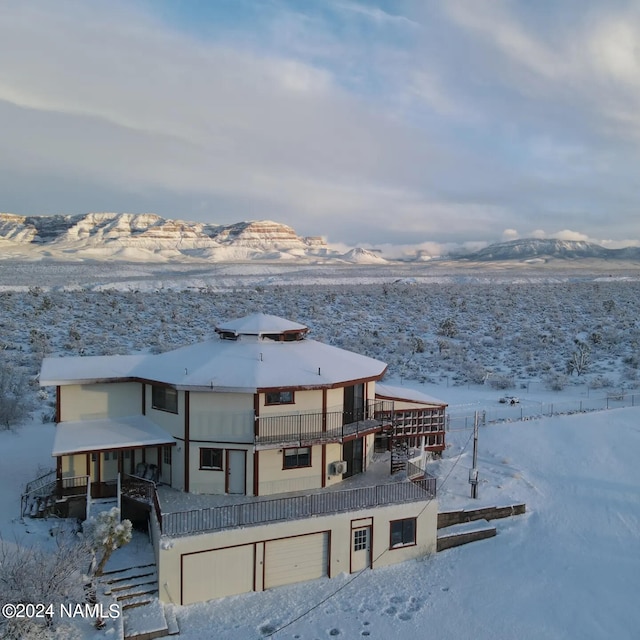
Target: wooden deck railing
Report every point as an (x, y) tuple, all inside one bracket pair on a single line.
[(138, 488), (295, 507), (48, 487)]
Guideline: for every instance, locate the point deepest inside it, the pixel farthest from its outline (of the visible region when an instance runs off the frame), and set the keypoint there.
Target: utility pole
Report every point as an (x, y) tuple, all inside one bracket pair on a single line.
[(473, 472)]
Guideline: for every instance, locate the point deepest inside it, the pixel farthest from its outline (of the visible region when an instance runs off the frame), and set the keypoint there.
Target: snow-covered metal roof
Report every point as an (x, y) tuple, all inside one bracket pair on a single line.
[(245, 365), (391, 392), (108, 434), (87, 369)]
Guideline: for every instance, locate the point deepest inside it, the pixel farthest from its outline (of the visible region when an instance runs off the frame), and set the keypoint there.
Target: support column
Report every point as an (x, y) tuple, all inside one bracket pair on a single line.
[(186, 441)]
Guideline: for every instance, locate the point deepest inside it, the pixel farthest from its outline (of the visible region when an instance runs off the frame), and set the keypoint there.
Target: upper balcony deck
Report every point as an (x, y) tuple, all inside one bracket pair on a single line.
[(185, 514), (306, 428)]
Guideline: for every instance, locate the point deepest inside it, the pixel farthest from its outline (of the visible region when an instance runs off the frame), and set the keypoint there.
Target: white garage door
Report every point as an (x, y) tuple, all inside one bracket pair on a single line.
[(296, 559), (218, 573)]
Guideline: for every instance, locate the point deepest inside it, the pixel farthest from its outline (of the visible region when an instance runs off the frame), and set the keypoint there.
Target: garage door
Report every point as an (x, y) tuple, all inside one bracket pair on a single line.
[(214, 574), (296, 559)]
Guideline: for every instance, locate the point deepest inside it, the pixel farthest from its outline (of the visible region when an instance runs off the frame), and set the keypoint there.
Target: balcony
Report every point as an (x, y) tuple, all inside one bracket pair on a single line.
[(308, 428), (259, 511)]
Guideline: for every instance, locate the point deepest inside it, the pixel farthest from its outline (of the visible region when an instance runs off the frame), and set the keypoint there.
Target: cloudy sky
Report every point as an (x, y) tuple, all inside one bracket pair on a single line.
[(366, 121)]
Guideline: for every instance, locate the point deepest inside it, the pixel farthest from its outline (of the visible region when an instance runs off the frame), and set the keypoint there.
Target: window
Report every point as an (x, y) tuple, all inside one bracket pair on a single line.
[(166, 455), (360, 539), (279, 397), (403, 532), (165, 399), (294, 458), (211, 459)]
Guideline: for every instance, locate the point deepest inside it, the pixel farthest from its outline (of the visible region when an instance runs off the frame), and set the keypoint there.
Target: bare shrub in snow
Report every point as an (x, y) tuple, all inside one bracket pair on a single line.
[(14, 404), (556, 381), (502, 382), (105, 533), (448, 328), (580, 359), (35, 575), (476, 374), (600, 382)]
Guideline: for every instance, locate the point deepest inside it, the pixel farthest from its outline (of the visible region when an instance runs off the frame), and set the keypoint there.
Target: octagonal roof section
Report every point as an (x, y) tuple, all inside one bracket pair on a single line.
[(261, 325), (250, 355)]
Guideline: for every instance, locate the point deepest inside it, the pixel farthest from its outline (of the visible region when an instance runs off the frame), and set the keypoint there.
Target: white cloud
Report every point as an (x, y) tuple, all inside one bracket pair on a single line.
[(510, 234), (475, 122), (568, 234)]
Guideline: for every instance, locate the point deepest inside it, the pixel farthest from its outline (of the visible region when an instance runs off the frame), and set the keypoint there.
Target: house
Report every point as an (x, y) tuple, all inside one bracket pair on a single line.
[(256, 455)]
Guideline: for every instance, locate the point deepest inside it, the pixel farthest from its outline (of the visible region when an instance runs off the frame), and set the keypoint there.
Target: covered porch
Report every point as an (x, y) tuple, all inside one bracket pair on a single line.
[(105, 448)]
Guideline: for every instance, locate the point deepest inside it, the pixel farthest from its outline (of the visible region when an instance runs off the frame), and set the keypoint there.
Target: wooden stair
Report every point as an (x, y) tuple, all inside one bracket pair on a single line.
[(399, 455), (135, 589)]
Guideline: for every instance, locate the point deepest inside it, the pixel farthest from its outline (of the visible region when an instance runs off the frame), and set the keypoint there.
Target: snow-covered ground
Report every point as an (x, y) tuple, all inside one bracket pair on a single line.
[(569, 568)]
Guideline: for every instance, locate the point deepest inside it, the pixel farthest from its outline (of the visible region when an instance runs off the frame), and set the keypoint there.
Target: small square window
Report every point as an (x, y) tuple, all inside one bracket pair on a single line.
[(403, 532), (360, 539), (279, 397), (295, 458), (211, 459)]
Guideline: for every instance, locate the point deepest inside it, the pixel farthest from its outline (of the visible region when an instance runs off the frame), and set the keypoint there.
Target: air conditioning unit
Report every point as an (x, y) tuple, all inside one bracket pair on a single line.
[(339, 467)]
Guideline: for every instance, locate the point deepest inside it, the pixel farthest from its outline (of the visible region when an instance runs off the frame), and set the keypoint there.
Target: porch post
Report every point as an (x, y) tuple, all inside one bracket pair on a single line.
[(323, 483), (186, 441), (256, 453), (59, 475)]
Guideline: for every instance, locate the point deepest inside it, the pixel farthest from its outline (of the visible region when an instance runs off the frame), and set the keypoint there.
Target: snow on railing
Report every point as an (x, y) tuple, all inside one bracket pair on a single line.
[(296, 507)]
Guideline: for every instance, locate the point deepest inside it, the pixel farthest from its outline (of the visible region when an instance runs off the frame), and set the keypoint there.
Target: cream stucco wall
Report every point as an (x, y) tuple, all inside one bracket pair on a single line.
[(223, 417), (101, 400), (213, 481), (310, 400), (334, 454), (75, 465), (339, 527), (335, 399), (273, 478)]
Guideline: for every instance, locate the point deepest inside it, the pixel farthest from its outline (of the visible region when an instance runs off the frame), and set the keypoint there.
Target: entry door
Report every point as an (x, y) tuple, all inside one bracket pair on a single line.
[(353, 403), (360, 548), (109, 466), (236, 471), (353, 452)]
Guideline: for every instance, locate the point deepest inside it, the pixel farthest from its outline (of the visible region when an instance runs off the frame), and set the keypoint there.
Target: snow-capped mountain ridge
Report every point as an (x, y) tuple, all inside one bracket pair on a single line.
[(148, 236), (529, 249)]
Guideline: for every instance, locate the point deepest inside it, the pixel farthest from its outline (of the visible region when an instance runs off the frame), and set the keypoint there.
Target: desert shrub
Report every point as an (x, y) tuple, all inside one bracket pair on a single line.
[(502, 382), (556, 381)]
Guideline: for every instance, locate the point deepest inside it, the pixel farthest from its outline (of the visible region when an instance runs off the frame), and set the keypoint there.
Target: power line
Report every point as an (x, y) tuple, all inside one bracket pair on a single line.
[(357, 575)]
